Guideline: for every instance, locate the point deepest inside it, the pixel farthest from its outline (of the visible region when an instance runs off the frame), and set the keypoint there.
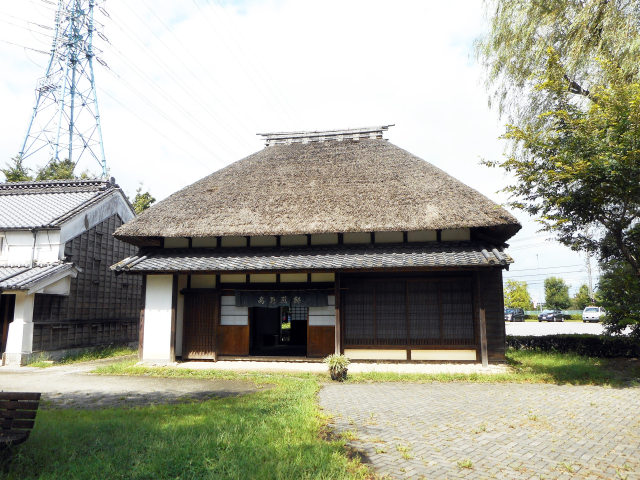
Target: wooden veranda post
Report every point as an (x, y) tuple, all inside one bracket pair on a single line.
[(338, 326), (141, 324), (174, 312), (482, 321)]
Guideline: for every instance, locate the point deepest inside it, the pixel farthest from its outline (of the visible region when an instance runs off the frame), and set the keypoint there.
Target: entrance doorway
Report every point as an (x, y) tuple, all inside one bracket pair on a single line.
[(7, 307), (199, 326), (280, 331)]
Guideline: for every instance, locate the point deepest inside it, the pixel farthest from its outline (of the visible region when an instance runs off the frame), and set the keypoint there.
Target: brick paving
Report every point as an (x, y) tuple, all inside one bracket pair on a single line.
[(513, 431)]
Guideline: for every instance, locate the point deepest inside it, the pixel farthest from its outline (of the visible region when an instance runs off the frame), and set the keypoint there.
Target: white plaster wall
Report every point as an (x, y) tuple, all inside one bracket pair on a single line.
[(19, 246), (20, 334), (176, 242), (456, 235), (388, 237), (324, 316), (157, 318), (232, 315), (89, 218)]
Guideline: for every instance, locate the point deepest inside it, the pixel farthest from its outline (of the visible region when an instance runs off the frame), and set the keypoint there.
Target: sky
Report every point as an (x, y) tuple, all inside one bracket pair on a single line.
[(185, 86)]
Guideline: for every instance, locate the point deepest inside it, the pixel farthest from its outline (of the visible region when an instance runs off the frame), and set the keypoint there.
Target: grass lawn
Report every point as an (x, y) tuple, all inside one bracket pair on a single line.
[(534, 367), (86, 356), (277, 433)]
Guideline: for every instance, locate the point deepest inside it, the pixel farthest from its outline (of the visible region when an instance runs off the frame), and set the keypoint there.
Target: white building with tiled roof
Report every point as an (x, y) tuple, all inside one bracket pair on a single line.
[(56, 290)]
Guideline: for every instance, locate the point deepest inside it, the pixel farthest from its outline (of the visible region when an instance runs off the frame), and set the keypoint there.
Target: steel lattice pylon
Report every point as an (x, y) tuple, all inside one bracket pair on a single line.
[(66, 121)]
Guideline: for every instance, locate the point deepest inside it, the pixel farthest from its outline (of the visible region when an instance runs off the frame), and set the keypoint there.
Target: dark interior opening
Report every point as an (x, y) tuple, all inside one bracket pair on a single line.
[(278, 331), (7, 306)]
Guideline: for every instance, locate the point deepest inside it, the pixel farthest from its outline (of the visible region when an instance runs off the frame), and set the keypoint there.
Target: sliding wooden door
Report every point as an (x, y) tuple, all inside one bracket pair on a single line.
[(201, 311)]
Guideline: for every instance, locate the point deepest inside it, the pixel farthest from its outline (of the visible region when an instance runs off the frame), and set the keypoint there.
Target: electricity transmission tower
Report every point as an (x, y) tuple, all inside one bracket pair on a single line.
[(66, 121)]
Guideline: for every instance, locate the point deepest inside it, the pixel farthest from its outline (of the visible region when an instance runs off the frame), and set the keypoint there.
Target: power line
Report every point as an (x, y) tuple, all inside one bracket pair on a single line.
[(170, 73), (24, 46), (237, 57), (545, 268)]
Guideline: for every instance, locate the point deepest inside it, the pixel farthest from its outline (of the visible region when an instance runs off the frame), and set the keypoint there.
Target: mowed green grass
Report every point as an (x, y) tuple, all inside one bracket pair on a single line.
[(86, 356), (277, 433), (533, 367)]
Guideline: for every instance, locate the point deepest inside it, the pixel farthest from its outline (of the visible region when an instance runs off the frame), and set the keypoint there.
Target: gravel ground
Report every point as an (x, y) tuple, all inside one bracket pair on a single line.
[(355, 367), (553, 328), (71, 386)]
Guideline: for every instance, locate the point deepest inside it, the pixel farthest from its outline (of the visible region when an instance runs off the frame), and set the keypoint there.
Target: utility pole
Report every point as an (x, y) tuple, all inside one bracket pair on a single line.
[(589, 276), (65, 119)]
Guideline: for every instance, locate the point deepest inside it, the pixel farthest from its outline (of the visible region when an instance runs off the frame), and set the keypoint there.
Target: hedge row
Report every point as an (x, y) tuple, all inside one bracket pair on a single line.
[(582, 344)]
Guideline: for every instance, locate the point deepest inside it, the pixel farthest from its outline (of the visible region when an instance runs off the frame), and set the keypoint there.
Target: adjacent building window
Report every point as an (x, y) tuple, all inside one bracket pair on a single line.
[(409, 312)]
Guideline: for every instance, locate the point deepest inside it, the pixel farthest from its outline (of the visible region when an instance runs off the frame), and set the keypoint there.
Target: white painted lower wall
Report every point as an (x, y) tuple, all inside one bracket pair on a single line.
[(375, 354), (444, 355), (20, 334), (157, 318)]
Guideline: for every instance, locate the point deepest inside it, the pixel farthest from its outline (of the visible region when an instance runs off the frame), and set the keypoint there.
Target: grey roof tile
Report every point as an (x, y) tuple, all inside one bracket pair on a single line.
[(437, 255), (46, 204), (24, 277)]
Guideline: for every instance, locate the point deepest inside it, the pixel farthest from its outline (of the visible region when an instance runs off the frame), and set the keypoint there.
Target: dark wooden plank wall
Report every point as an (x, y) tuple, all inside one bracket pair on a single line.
[(199, 326), (233, 340), (493, 299), (102, 308), (320, 341)]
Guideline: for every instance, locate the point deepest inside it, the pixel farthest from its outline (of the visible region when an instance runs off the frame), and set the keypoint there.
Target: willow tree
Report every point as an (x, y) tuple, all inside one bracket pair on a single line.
[(515, 49), (566, 75)]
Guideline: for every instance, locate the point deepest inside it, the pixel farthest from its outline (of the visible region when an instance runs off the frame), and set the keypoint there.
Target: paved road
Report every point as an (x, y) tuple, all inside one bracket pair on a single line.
[(547, 328), (71, 386), (514, 431)]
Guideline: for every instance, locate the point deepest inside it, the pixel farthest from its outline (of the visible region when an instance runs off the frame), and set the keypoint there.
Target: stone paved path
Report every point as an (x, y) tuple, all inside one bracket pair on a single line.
[(504, 431), (71, 386)]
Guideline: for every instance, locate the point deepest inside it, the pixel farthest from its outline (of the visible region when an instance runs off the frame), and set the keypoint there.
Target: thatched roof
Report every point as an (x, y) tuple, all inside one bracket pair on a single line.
[(319, 187)]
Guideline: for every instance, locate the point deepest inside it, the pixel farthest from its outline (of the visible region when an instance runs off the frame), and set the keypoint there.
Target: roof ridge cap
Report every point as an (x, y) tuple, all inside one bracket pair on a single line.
[(309, 136)]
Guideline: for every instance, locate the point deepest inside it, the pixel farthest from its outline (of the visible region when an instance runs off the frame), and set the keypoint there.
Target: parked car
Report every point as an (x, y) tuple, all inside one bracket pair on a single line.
[(592, 314), (551, 316), (513, 315)]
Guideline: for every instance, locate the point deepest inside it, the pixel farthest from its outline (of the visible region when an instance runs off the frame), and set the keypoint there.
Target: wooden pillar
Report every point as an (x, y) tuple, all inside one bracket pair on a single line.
[(141, 325), (338, 327), (482, 321), (174, 311)]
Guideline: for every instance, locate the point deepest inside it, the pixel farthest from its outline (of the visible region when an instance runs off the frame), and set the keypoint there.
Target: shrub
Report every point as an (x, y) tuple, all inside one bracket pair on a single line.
[(581, 344), (337, 366)]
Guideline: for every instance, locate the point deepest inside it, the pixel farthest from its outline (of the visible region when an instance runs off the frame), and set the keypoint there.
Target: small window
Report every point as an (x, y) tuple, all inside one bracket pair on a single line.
[(1, 244)]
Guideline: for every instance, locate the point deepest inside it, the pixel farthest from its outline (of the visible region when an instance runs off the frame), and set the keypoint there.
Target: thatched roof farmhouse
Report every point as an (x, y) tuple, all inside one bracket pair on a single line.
[(322, 242)]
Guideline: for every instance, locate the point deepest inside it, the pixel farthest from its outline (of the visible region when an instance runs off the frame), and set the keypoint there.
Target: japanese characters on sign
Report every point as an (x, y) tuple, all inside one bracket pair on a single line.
[(281, 299)]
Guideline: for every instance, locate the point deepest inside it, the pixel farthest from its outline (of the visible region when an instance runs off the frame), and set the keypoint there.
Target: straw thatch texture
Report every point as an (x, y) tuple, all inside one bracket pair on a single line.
[(319, 187)]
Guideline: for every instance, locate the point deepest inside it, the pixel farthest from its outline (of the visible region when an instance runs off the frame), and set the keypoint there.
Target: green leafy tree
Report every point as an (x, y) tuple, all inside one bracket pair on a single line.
[(516, 295), (567, 74), (15, 171), (581, 299), (556, 293), (619, 294), (57, 170), (142, 200), (582, 32)]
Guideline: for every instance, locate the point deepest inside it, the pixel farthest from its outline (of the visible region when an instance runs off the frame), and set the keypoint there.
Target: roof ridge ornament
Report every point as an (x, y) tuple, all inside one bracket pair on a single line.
[(68, 185), (375, 132)]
